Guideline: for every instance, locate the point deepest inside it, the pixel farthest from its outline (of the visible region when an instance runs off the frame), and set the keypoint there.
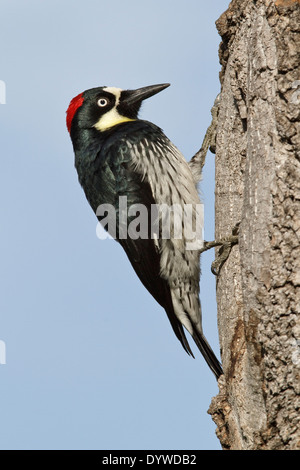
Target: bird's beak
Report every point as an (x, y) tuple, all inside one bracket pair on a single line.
[(137, 96)]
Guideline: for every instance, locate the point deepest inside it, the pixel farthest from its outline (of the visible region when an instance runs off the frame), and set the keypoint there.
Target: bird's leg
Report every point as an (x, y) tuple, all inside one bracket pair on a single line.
[(196, 165), (226, 246), (209, 142)]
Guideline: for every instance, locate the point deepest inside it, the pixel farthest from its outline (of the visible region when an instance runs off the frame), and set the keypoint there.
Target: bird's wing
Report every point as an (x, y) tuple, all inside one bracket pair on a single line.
[(152, 171), (157, 173), (115, 177)]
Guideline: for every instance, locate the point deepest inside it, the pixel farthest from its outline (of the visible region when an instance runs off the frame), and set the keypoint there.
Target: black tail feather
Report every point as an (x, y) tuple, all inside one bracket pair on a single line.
[(208, 354), (199, 339)]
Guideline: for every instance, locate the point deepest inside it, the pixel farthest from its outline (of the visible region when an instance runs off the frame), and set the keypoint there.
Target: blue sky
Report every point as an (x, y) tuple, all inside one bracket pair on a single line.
[(91, 360)]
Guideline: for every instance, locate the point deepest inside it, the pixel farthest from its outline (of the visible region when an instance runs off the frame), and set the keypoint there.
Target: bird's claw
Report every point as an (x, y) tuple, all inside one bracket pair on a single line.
[(226, 245)]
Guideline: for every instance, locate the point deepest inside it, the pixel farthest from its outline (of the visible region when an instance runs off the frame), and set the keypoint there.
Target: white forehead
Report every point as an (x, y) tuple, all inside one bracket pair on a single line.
[(115, 91)]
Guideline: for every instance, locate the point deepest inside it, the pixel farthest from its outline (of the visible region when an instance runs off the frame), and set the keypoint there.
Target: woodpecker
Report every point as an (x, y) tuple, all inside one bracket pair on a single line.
[(117, 155)]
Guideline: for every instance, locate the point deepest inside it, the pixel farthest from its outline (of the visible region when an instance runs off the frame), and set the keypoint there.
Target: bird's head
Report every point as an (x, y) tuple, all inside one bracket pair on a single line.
[(104, 107)]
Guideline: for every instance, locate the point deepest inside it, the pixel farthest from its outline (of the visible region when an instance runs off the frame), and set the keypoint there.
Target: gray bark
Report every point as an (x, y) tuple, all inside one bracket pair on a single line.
[(258, 185)]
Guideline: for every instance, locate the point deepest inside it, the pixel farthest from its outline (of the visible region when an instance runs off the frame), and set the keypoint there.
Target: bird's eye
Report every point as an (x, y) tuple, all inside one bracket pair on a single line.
[(102, 102)]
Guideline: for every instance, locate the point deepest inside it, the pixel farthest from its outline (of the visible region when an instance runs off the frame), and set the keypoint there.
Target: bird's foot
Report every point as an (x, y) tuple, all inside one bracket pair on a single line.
[(226, 245)]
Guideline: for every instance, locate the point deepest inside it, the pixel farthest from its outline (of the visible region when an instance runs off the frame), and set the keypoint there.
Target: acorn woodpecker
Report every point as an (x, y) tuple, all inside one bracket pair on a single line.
[(120, 158)]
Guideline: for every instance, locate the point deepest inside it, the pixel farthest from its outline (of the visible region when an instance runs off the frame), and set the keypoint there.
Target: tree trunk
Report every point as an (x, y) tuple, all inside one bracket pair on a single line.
[(258, 185)]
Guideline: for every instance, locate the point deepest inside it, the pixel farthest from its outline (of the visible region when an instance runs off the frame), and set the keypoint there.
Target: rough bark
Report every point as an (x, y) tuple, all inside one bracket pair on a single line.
[(258, 185)]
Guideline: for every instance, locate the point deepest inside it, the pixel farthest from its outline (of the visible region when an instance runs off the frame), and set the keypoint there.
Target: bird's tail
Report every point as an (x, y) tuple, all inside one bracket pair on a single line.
[(186, 311), (200, 341), (207, 353)]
